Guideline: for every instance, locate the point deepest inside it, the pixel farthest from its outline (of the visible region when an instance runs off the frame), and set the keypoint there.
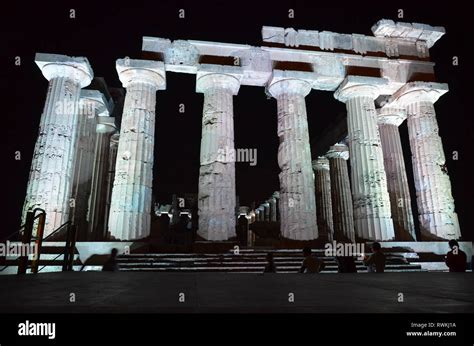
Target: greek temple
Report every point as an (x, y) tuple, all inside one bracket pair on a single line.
[(91, 168)]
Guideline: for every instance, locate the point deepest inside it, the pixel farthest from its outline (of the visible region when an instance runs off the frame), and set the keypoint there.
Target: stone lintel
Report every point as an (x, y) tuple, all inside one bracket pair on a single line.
[(56, 65), (408, 31), (354, 86), (391, 115), (148, 71), (338, 150), (218, 76), (417, 91), (328, 68), (256, 65)]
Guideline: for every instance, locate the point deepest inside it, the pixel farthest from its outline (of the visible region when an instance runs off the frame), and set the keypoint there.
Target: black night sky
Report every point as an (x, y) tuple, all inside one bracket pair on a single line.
[(104, 32)]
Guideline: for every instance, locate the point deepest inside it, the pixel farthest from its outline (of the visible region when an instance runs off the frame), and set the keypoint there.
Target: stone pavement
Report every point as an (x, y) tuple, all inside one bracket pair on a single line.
[(134, 292)]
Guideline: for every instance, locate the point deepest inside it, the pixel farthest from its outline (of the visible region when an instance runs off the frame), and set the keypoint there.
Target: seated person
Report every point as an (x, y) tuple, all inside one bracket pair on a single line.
[(270, 267), (376, 262), (310, 264), (456, 259)]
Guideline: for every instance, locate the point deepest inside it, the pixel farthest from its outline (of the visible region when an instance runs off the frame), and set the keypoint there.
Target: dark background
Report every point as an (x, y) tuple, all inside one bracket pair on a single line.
[(103, 32)]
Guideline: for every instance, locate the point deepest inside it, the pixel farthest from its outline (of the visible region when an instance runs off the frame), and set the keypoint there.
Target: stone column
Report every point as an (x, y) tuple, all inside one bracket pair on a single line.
[(389, 119), (266, 211), (341, 198), (323, 198), (83, 162), (130, 209), (273, 209), (297, 202), (52, 169), (216, 197), (97, 207), (437, 216), (372, 214), (113, 148)]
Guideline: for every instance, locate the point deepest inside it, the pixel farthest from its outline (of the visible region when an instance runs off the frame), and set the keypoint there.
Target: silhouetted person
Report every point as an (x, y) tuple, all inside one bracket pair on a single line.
[(270, 267), (456, 259), (376, 262), (310, 264), (346, 264), (111, 264)]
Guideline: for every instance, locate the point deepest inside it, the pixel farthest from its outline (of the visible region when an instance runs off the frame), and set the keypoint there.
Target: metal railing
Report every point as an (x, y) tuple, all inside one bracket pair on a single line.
[(26, 233)]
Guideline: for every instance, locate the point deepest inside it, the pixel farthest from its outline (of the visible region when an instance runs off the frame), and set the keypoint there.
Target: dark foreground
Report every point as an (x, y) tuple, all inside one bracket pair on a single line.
[(125, 292)]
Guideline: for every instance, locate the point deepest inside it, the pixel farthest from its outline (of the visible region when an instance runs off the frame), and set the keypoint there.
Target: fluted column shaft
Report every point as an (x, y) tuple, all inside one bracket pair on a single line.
[(99, 183), (432, 183), (323, 198), (372, 211), (341, 197), (437, 215), (130, 207), (397, 181), (113, 148), (216, 197), (52, 169), (297, 198), (83, 166)]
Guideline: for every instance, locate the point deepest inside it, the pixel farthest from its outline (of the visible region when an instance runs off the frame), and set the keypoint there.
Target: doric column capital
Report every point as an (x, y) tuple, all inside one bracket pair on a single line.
[(355, 86), (418, 91), (338, 151), (321, 164), (63, 66), (218, 77), (141, 71), (97, 101), (289, 86), (106, 125), (391, 115), (114, 139)]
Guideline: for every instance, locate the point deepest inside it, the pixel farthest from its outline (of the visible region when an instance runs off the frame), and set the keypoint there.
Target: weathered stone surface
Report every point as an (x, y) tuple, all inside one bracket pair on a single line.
[(397, 182), (436, 211), (131, 194), (52, 169), (216, 197), (91, 104), (372, 214), (341, 198), (97, 205), (297, 201), (323, 198)]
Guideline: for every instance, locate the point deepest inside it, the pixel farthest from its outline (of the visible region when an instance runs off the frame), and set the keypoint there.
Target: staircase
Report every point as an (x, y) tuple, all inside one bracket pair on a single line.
[(247, 261)]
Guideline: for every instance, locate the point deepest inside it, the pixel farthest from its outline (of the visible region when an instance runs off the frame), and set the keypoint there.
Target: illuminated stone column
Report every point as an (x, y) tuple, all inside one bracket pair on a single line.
[(433, 187), (113, 148), (97, 208), (297, 197), (216, 198), (323, 198), (341, 197), (372, 214), (130, 209), (91, 105), (389, 119), (273, 208), (52, 169)]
